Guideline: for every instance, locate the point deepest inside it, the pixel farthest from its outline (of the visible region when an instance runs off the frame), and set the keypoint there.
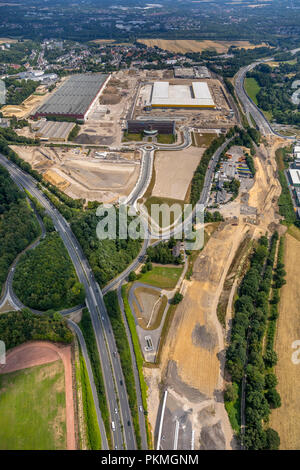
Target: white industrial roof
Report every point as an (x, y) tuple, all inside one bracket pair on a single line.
[(196, 94), (297, 149), (160, 90), (295, 176), (201, 90)]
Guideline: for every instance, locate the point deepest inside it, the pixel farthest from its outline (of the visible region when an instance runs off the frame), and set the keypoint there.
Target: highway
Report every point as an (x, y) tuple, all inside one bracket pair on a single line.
[(250, 107), (85, 354), (110, 361)]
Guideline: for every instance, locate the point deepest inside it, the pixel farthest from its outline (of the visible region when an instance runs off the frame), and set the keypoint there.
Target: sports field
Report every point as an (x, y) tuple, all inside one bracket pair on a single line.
[(33, 408)]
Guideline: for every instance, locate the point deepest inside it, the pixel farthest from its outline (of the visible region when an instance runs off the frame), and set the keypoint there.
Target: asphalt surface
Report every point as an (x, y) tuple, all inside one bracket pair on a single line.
[(110, 361), (85, 354), (249, 106)]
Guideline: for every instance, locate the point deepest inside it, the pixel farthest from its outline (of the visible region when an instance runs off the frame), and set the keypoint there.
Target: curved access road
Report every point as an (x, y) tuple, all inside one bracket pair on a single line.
[(112, 372)]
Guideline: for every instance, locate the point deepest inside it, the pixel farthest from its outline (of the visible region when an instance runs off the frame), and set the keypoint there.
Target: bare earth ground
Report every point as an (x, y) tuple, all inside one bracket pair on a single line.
[(149, 301), (82, 176), (174, 172), (186, 45), (286, 419), (41, 352), (192, 361), (26, 108)]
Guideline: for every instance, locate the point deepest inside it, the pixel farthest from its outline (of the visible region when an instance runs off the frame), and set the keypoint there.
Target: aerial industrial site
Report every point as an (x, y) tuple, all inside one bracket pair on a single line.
[(149, 229)]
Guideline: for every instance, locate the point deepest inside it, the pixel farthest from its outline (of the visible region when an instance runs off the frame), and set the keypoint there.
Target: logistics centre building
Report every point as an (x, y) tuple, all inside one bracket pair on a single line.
[(75, 97), (196, 95)]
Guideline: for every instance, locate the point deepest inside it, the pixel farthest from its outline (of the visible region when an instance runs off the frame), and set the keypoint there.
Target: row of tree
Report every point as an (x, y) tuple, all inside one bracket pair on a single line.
[(246, 360)]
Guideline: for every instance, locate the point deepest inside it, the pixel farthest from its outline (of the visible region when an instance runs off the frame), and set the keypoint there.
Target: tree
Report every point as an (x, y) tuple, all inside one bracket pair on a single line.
[(270, 358), (231, 392), (132, 276), (273, 398), (177, 298), (270, 380), (272, 439)]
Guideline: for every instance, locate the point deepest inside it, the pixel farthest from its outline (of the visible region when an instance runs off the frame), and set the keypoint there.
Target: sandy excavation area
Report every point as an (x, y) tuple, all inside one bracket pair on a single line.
[(192, 362), (193, 357), (81, 175), (26, 108), (266, 190), (286, 419), (42, 352), (174, 172)]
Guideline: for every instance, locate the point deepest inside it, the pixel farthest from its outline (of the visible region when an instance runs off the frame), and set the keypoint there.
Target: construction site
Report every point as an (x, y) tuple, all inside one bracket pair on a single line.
[(185, 400), (200, 103), (85, 173)]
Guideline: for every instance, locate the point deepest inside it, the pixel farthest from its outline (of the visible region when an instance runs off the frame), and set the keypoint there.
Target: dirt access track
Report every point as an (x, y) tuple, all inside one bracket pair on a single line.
[(42, 352)]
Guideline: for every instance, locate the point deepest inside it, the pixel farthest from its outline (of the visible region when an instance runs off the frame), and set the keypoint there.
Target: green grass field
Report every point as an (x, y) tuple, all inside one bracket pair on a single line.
[(165, 138), (252, 88), (32, 408), (160, 276)]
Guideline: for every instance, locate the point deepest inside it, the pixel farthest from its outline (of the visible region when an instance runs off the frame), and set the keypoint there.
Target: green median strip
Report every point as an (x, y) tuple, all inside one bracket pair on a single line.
[(89, 411), (113, 309), (139, 358), (89, 336)]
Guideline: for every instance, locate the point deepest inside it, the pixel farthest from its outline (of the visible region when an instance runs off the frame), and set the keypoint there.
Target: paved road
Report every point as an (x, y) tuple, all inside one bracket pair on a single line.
[(111, 366), (84, 351), (136, 374), (249, 106)]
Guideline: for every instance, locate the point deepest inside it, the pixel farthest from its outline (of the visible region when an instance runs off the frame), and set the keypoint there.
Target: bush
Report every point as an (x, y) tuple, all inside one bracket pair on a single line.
[(272, 439), (132, 276), (177, 298), (231, 392)]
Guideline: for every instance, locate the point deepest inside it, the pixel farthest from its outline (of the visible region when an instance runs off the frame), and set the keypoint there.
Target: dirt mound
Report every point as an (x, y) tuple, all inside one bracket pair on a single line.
[(93, 139), (110, 99)]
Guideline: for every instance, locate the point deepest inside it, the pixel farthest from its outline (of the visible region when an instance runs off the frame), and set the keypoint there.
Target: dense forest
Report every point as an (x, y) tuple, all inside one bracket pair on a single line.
[(45, 277), (18, 327), (162, 253), (107, 257), (275, 91), (18, 90), (18, 224)]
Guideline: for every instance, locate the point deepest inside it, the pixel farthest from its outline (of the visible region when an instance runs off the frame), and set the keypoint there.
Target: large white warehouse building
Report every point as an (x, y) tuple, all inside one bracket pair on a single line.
[(196, 95)]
